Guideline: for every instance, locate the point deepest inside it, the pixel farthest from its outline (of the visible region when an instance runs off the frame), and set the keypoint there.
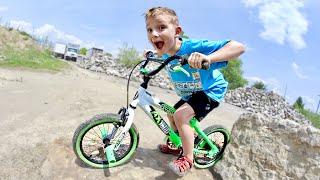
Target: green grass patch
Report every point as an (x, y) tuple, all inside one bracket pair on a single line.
[(313, 117), (31, 58)]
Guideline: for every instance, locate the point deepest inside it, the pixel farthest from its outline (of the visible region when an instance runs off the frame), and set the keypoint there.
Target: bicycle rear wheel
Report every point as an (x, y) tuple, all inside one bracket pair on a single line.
[(220, 137), (88, 144)]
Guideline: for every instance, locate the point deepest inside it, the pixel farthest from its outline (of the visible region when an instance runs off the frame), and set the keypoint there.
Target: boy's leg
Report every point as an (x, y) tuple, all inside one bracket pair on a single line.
[(182, 118), (199, 105), (171, 122), (171, 118), (169, 148)]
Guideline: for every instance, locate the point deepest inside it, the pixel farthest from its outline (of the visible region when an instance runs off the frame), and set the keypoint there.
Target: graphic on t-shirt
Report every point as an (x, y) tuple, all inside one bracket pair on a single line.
[(210, 81), (184, 85)]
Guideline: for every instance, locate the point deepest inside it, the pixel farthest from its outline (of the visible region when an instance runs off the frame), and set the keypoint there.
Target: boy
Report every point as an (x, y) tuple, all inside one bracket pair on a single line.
[(202, 91)]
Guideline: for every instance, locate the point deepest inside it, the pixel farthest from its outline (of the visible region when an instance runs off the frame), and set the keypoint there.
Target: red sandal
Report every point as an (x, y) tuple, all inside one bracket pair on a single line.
[(181, 166), (169, 149)]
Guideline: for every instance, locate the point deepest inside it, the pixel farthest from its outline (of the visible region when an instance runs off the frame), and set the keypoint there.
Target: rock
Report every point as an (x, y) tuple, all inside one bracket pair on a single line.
[(271, 148)]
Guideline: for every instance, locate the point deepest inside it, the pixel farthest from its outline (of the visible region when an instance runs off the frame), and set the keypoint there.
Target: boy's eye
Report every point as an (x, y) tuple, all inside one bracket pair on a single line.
[(162, 27), (149, 30)]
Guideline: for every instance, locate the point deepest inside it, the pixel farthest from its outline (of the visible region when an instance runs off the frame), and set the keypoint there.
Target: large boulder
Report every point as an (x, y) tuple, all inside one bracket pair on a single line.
[(271, 148)]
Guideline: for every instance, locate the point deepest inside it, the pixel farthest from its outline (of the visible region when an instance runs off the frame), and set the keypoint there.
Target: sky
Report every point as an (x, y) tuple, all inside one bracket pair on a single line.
[(281, 36)]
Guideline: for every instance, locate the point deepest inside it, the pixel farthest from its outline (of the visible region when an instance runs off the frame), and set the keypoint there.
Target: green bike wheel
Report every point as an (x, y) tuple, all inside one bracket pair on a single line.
[(88, 142), (220, 137)]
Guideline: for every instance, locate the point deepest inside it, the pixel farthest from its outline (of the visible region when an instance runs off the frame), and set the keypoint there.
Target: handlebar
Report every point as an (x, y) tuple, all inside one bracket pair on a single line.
[(182, 59)]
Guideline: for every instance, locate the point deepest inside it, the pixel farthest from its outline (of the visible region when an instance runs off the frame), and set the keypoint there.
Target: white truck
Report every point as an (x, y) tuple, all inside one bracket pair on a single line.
[(59, 50), (72, 52), (66, 51)]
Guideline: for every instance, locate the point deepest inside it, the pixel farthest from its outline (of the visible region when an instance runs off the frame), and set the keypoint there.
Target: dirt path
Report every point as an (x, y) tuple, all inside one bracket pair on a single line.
[(40, 111)]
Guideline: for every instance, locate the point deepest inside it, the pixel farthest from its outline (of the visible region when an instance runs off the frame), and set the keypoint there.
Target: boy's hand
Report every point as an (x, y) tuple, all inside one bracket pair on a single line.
[(196, 60)]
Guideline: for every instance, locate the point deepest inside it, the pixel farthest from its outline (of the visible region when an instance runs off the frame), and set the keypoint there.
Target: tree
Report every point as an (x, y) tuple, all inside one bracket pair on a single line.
[(299, 104), (83, 51), (234, 74), (128, 56), (259, 85), (108, 54)]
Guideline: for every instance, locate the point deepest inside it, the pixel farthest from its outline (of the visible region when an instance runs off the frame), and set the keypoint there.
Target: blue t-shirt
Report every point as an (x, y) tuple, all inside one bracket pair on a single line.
[(210, 81)]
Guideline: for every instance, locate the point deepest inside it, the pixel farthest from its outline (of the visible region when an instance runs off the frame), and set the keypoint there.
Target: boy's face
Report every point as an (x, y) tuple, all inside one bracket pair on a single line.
[(162, 34)]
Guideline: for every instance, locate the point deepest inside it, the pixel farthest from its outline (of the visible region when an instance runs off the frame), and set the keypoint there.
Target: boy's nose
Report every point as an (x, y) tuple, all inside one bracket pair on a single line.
[(155, 33)]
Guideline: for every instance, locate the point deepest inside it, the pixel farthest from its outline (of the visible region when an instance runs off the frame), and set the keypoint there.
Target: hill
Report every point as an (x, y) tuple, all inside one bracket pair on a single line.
[(19, 49)]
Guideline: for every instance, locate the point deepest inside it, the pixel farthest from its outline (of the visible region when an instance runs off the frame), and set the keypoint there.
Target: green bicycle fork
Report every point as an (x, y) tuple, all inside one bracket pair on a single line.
[(214, 150), (109, 153)]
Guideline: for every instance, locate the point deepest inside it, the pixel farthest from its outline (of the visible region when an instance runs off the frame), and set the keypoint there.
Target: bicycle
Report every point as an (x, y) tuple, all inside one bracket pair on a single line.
[(109, 140)]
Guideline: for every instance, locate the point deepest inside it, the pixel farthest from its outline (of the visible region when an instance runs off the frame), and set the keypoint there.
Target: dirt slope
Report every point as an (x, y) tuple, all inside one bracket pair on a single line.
[(40, 111)]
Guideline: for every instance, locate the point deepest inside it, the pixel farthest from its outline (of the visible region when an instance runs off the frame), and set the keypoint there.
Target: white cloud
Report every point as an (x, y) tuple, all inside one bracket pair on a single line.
[(57, 35), (254, 79), (21, 25), (52, 32), (282, 21), (272, 84), (297, 71), (309, 102), (44, 31), (3, 8)]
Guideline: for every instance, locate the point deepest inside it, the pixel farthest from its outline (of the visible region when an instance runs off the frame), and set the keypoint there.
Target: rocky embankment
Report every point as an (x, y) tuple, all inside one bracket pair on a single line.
[(271, 148), (267, 103)]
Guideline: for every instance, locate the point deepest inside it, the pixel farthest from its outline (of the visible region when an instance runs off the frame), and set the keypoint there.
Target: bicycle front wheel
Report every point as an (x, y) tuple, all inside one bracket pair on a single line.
[(88, 142), (220, 137)]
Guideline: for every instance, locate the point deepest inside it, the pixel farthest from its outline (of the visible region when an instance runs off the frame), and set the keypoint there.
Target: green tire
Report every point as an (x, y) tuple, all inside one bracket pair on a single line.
[(199, 143), (102, 120)]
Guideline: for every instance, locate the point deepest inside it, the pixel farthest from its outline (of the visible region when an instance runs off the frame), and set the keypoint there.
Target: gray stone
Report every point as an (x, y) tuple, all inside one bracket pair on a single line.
[(271, 148)]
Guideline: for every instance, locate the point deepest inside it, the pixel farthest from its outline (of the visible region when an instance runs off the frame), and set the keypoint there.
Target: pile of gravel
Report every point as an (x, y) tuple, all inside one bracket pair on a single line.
[(113, 67), (267, 103)]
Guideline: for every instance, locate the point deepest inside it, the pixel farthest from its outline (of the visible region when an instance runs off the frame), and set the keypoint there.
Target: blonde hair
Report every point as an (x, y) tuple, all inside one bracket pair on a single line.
[(155, 11)]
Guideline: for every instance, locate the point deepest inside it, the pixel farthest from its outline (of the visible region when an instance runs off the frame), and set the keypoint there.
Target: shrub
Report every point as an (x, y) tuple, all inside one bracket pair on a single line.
[(259, 85), (234, 75), (128, 56)]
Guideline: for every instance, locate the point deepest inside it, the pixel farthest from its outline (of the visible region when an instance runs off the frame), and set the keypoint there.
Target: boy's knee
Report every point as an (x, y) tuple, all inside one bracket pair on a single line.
[(183, 114), (181, 117), (170, 117)]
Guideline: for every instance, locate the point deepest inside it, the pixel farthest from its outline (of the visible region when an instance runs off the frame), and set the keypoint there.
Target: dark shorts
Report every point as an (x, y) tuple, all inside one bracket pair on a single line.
[(200, 103)]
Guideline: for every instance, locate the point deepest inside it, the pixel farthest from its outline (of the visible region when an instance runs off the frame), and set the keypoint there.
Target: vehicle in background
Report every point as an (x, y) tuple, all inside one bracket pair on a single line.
[(72, 51), (59, 50), (94, 51), (66, 51)]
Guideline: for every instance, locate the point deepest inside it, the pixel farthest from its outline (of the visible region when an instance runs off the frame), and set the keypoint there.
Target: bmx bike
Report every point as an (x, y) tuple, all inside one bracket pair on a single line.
[(109, 140)]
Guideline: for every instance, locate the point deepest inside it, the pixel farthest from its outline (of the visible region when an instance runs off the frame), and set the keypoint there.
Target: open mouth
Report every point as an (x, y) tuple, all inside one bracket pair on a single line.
[(159, 44)]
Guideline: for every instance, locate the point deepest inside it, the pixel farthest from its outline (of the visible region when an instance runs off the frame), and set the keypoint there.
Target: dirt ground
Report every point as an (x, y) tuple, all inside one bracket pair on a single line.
[(40, 112)]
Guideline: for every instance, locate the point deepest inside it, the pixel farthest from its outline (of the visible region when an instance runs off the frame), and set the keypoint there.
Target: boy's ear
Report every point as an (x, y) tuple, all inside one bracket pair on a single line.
[(178, 31)]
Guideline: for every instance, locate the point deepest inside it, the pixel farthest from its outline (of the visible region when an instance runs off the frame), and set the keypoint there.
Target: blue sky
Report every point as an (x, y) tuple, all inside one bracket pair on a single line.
[(280, 35)]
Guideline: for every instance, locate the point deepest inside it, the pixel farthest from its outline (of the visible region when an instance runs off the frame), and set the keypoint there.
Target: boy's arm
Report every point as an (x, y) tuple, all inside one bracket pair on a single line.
[(229, 51)]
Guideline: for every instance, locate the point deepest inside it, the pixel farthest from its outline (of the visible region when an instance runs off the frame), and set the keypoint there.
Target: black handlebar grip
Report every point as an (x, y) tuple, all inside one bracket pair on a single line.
[(149, 54), (184, 60), (205, 65)]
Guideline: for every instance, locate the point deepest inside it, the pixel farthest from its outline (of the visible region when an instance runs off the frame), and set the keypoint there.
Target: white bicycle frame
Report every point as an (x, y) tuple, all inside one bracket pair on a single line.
[(145, 101)]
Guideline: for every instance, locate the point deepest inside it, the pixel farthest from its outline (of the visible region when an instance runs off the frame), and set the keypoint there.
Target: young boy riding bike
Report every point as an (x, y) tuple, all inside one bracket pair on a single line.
[(203, 90)]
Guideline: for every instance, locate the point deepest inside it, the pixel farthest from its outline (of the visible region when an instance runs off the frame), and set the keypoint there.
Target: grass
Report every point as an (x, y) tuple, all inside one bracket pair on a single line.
[(31, 58), (313, 117)]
